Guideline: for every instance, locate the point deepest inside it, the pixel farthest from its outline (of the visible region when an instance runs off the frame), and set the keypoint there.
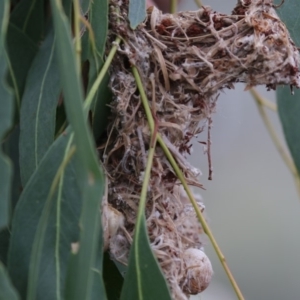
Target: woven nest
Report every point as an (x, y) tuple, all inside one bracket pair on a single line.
[(184, 60)]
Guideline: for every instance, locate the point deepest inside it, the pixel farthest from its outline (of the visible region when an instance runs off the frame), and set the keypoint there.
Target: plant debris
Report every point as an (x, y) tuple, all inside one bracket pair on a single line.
[(184, 61)]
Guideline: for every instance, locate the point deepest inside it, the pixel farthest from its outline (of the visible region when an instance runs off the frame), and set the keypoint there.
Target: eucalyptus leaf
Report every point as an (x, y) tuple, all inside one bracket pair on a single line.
[(67, 6), (86, 266), (62, 225), (113, 279), (144, 279), (25, 31), (289, 112), (100, 109), (85, 5), (7, 291), (38, 109), (288, 104), (11, 148), (28, 16), (137, 12), (4, 244), (289, 14), (98, 17), (6, 114), (21, 51)]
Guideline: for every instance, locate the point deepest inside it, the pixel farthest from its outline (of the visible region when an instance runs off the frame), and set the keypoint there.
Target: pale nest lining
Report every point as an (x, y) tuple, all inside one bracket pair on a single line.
[(184, 60)]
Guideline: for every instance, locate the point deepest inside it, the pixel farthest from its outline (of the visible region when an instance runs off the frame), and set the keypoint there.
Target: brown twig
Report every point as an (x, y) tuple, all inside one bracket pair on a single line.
[(210, 168)]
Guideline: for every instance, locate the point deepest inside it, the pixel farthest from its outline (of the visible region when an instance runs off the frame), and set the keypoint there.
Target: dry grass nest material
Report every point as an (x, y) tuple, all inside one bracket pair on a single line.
[(184, 60)]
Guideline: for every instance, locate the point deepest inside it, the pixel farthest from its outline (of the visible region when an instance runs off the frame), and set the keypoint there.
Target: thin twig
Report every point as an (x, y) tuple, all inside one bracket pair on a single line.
[(185, 185), (210, 169), (276, 140)]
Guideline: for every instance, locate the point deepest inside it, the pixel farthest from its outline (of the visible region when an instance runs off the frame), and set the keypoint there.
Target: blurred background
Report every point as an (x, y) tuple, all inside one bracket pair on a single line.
[(251, 203)]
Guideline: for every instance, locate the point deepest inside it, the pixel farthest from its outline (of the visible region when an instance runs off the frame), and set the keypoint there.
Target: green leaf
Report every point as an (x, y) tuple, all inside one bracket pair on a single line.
[(19, 61), (37, 120), (6, 114), (7, 291), (25, 32), (289, 105), (98, 17), (113, 280), (67, 5), (85, 5), (11, 148), (83, 276), (100, 109), (144, 279), (137, 12), (289, 14), (28, 16), (289, 112), (4, 244), (62, 226)]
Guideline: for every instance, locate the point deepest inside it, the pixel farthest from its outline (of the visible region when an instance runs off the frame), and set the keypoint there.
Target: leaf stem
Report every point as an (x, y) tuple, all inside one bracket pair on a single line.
[(86, 23), (146, 179), (263, 101), (103, 71), (275, 138), (173, 6), (185, 185), (198, 3)]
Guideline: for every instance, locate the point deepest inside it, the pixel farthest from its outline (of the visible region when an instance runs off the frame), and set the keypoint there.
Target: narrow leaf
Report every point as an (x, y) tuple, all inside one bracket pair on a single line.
[(11, 148), (67, 5), (113, 280), (4, 244), (289, 14), (25, 32), (62, 225), (19, 61), (7, 291), (98, 17), (137, 12), (289, 112), (144, 279), (100, 109), (85, 5), (288, 104), (38, 109), (82, 277), (6, 114), (28, 16)]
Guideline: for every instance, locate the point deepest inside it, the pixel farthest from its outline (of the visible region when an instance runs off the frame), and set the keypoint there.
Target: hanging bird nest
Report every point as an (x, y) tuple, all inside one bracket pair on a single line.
[(184, 60)]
